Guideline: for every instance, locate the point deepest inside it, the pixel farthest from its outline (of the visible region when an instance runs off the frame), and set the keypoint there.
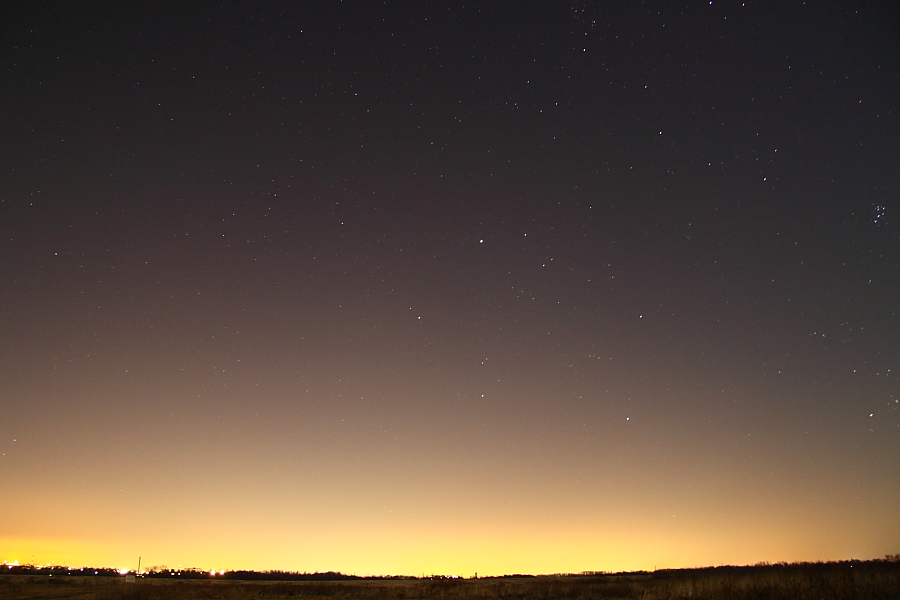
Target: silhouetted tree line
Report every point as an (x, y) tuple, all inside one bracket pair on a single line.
[(891, 561), (57, 571), (775, 568), (287, 576), (244, 575)]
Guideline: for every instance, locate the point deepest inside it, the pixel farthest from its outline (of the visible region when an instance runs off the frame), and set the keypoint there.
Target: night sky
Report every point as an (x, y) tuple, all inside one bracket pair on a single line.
[(444, 287)]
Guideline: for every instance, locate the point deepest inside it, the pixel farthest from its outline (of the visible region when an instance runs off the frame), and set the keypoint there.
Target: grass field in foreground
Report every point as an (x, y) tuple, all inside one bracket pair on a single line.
[(875, 580)]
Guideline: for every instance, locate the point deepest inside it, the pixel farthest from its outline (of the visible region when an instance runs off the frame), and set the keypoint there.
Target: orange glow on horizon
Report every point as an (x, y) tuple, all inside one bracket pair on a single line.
[(400, 290), (376, 552)]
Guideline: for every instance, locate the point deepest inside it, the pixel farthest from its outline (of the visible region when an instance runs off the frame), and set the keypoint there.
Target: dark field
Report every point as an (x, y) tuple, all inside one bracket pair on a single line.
[(837, 581)]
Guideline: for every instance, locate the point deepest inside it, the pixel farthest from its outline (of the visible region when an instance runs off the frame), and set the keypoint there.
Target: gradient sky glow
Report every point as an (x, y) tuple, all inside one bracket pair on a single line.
[(407, 288)]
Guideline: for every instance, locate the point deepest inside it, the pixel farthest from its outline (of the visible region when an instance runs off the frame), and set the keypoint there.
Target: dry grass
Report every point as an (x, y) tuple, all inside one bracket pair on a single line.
[(840, 581)]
